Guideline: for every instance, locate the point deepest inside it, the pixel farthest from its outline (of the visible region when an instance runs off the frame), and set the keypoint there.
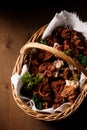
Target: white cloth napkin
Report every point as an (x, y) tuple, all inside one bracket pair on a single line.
[(17, 82), (67, 19), (63, 107)]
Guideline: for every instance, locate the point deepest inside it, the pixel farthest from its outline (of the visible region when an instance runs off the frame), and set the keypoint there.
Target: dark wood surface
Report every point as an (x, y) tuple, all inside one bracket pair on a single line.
[(17, 24)]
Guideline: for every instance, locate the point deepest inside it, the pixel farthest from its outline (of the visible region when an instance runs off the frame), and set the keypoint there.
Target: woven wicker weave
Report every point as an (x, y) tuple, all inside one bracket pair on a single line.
[(18, 66)]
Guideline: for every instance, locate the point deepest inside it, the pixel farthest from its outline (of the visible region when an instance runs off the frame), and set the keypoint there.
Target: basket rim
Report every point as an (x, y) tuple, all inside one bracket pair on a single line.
[(43, 116)]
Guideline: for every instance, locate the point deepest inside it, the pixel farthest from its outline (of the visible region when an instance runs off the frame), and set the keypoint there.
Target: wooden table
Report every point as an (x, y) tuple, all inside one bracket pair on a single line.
[(16, 27)]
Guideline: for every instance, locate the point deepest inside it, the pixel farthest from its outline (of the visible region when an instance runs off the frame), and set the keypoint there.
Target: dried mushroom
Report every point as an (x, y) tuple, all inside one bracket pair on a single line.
[(54, 81)]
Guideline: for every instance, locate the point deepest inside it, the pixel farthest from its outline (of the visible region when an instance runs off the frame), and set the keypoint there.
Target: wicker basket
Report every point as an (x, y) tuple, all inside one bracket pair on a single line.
[(18, 66)]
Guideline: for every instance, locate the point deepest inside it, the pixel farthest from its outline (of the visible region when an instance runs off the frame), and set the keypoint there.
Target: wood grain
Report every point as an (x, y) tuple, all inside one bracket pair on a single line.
[(12, 38), (13, 35)]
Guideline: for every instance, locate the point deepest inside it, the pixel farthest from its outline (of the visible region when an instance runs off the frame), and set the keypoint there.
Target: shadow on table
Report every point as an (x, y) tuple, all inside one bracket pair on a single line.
[(77, 120)]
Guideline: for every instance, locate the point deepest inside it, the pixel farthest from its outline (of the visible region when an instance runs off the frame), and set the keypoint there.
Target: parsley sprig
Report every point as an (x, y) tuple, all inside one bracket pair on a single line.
[(37, 101), (67, 52), (29, 80), (43, 41), (82, 59)]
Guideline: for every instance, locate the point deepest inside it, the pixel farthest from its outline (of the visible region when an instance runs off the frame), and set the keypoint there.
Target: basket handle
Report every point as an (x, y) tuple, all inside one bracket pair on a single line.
[(54, 51)]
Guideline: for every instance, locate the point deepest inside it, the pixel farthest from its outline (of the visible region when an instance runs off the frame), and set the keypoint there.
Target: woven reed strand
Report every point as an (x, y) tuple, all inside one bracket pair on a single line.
[(24, 107)]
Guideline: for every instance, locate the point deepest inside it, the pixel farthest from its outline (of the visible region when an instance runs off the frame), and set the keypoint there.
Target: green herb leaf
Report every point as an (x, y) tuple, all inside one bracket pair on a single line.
[(29, 80), (67, 51), (26, 77), (37, 101), (75, 77), (43, 42), (82, 59)]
